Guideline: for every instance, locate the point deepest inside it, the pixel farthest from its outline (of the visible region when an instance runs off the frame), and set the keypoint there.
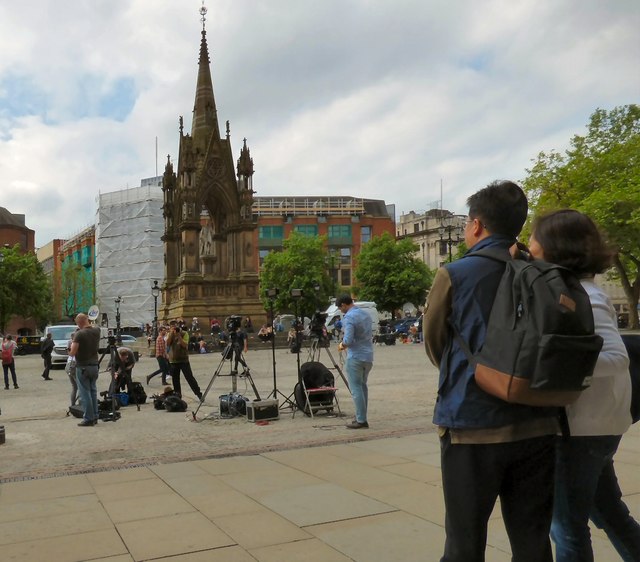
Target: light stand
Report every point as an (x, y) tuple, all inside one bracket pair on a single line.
[(296, 295), (155, 293), (271, 294)]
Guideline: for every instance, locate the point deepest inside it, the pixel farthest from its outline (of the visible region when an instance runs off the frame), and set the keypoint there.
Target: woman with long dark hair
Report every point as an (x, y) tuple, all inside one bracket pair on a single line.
[(585, 482)]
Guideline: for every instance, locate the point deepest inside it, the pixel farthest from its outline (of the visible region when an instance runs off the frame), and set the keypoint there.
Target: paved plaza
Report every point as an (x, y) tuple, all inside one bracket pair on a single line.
[(157, 485)]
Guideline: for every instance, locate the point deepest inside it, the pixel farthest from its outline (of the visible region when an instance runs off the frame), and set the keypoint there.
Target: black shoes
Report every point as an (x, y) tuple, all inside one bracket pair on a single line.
[(15, 386), (87, 423), (357, 425), (47, 378), (148, 379)]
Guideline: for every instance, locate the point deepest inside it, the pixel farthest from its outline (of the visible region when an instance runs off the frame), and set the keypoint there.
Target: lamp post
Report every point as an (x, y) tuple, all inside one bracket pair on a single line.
[(155, 293), (449, 226), (117, 301)]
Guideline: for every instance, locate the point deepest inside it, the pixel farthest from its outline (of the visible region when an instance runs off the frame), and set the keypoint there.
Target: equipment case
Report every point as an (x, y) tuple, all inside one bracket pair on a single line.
[(258, 410)]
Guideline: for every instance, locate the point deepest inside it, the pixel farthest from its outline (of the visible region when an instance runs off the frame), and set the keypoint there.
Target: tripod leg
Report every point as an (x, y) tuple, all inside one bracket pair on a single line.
[(337, 368), (215, 375)]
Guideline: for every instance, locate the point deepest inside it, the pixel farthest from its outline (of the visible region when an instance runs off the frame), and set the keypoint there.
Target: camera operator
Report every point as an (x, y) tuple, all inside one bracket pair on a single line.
[(179, 360), (122, 376)]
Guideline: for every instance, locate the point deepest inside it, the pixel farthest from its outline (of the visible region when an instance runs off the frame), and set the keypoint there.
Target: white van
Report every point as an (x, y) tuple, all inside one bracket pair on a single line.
[(61, 334), (333, 314)]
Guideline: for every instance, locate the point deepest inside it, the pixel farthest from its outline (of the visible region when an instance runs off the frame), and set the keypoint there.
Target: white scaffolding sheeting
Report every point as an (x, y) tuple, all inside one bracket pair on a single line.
[(129, 253)]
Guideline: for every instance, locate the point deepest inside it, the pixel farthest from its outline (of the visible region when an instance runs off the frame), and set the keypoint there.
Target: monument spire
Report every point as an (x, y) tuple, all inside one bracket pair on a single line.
[(205, 118)]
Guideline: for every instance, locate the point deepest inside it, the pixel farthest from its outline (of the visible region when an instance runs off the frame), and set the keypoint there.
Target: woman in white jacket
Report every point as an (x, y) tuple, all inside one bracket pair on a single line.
[(601, 414)]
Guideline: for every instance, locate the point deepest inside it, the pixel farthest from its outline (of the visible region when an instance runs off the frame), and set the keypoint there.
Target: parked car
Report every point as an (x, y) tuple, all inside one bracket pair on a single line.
[(128, 340), (402, 327)]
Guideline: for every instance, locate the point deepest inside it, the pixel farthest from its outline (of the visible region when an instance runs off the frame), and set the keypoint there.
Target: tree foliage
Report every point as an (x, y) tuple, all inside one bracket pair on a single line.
[(302, 264), (77, 289), (599, 175), (390, 274), (24, 287)]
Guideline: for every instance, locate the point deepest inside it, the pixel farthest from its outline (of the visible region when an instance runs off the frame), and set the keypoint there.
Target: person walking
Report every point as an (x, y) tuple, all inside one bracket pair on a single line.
[(358, 341), (585, 477), (162, 357), (179, 360), (86, 341), (46, 349), (489, 448), (8, 361)]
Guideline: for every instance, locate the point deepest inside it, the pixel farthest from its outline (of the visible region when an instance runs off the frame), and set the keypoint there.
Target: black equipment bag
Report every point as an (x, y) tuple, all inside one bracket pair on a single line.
[(173, 403), (138, 395), (540, 348), (108, 403), (76, 411)]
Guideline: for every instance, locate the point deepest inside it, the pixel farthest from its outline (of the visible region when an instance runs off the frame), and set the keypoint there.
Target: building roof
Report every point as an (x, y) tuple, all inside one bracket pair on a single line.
[(8, 218)]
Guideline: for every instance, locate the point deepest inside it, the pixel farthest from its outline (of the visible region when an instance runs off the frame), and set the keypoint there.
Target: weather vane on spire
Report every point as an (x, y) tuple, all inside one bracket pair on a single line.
[(203, 13)]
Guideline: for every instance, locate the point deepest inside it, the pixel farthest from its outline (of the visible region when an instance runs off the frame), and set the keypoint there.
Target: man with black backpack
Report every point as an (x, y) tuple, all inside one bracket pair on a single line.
[(490, 448)]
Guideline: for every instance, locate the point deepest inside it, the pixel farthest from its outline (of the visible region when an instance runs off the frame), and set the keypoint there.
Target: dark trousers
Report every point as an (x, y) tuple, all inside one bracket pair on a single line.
[(474, 476), (10, 367), (47, 366), (185, 367), (164, 368), (611, 514)]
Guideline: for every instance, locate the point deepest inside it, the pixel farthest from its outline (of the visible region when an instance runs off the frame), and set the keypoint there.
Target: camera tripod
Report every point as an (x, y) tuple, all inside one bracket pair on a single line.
[(318, 344), (231, 352)]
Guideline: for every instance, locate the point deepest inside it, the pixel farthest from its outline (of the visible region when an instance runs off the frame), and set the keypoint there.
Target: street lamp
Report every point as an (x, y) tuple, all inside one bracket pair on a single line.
[(450, 226), (155, 293)]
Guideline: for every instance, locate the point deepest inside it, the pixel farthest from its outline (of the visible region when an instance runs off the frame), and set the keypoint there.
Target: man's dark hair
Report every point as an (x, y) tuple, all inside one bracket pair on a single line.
[(571, 239), (501, 207), (343, 299)]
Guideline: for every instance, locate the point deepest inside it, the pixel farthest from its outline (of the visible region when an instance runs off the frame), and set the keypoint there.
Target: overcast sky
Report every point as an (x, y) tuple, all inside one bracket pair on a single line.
[(369, 98)]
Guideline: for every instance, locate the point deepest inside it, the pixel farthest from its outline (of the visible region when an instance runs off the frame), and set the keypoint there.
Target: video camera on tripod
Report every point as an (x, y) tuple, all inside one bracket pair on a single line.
[(318, 328)]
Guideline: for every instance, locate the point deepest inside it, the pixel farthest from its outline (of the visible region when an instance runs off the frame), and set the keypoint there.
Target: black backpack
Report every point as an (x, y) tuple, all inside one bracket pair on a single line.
[(138, 395), (540, 348)]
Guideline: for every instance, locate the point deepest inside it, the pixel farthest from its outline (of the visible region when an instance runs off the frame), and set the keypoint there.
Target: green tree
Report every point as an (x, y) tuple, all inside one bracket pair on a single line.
[(77, 289), (24, 287), (302, 264), (599, 175), (390, 274)]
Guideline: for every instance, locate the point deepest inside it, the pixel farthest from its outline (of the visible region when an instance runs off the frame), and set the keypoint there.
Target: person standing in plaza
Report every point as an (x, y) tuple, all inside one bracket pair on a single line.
[(489, 448), (45, 353), (358, 341), (162, 357), (8, 361), (179, 361), (86, 341), (585, 485)]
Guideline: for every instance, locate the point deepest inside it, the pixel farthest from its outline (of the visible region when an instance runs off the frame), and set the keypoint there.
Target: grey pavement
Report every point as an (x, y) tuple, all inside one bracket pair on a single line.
[(157, 486)]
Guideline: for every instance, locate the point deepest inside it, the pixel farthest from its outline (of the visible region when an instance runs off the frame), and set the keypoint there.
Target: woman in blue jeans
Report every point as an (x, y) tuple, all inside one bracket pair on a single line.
[(601, 414)]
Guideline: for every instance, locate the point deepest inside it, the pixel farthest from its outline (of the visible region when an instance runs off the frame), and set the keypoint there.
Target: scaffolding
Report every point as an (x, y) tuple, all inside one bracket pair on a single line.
[(129, 252)]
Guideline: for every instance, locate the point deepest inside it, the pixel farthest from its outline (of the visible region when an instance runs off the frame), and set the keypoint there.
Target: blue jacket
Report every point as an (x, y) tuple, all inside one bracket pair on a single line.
[(461, 403)]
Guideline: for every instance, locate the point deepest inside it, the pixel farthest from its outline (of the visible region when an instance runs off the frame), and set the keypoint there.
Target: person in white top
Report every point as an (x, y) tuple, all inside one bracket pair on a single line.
[(601, 414)]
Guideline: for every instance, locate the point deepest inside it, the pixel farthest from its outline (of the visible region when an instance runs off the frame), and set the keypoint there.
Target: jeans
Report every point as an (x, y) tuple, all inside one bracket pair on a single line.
[(10, 367), (520, 473), (87, 378), (357, 375), (611, 514), (163, 364), (73, 397), (580, 462)]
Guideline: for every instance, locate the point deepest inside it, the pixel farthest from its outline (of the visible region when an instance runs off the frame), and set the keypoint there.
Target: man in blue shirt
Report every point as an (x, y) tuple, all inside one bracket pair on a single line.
[(358, 341)]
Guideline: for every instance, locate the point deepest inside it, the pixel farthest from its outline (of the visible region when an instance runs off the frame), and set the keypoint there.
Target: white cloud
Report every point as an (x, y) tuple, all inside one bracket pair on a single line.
[(366, 97)]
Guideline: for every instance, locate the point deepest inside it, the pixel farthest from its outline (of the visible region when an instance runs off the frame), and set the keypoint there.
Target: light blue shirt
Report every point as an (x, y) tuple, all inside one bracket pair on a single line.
[(358, 337)]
